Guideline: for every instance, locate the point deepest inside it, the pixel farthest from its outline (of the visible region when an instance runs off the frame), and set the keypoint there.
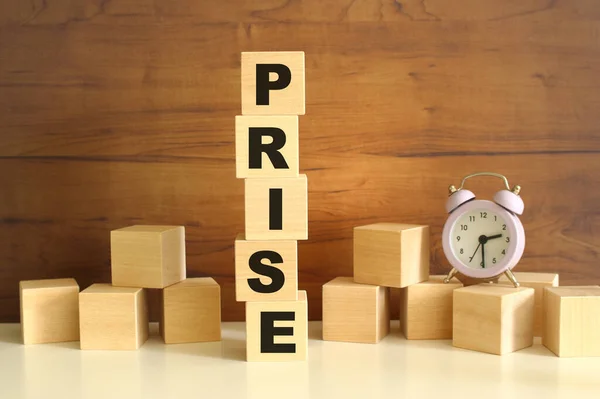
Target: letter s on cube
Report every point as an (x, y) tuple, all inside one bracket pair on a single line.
[(266, 270)]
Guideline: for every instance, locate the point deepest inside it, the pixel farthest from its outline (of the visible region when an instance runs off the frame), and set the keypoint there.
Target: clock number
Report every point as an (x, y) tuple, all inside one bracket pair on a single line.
[(504, 252), (458, 238), (483, 215), (471, 218), (495, 218), (503, 227), (507, 239), (494, 260), (464, 227), (462, 251)]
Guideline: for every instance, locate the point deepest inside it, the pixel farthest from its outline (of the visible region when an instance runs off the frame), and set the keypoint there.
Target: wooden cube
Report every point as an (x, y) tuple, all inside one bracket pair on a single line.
[(277, 208), (147, 256), (391, 254), (493, 318), (191, 311), (49, 311), (266, 270), (113, 318), (277, 330), (426, 309), (266, 146), (273, 83), (355, 312), (572, 323), (537, 281)]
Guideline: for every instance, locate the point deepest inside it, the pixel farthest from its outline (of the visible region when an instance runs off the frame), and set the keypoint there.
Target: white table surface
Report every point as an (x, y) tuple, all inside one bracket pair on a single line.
[(394, 368)]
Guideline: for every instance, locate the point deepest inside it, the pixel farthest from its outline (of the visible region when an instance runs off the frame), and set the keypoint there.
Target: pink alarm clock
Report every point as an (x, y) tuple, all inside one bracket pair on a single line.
[(484, 239)]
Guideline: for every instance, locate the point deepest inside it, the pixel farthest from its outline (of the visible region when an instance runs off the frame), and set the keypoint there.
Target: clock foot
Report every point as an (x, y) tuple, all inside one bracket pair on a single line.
[(512, 278), (450, 275)]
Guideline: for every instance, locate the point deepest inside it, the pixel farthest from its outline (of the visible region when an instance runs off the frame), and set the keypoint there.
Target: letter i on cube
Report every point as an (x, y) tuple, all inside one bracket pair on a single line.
[(277, 208)]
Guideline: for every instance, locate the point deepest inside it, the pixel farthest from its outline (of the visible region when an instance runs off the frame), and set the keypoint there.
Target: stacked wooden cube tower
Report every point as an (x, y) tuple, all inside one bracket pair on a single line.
[(389, 255), (276, 206), (115, 316), (492, 318), (356, 309)]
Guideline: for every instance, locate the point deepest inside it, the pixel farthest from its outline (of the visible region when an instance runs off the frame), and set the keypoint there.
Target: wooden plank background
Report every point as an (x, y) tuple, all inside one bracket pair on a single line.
[(116, 112)]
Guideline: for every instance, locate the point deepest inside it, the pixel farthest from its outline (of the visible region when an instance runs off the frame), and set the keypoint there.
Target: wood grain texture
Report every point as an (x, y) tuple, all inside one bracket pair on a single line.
[(426, 309), (112, 318), (539, 282), (355, 312), (493, 318), (572, 323), (191, 311), (391, 254), (120, 112), (146, 256), (49, 311)]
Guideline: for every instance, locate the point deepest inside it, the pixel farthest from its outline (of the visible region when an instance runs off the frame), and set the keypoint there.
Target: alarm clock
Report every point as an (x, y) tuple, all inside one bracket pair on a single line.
[(484, 239)]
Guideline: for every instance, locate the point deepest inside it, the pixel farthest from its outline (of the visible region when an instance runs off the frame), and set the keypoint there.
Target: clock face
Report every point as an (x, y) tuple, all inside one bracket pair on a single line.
[(480, 239)]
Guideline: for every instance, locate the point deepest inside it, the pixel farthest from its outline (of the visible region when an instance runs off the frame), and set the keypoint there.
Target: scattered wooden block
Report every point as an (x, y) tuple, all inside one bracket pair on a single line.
[(277, 330), (355, 312), (277, 208), (113, 318), (191, 311), (426, 309), (147, 256), (537, 281), (266, 146), (49, 311), (391, 254), (572, 324), (493, 318), (273, 83), (266, 270)]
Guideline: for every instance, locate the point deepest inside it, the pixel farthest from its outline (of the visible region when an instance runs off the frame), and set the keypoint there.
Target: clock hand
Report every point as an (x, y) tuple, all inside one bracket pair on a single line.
[(483, 255), (482, 241), (476, 249), (492, 237)]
